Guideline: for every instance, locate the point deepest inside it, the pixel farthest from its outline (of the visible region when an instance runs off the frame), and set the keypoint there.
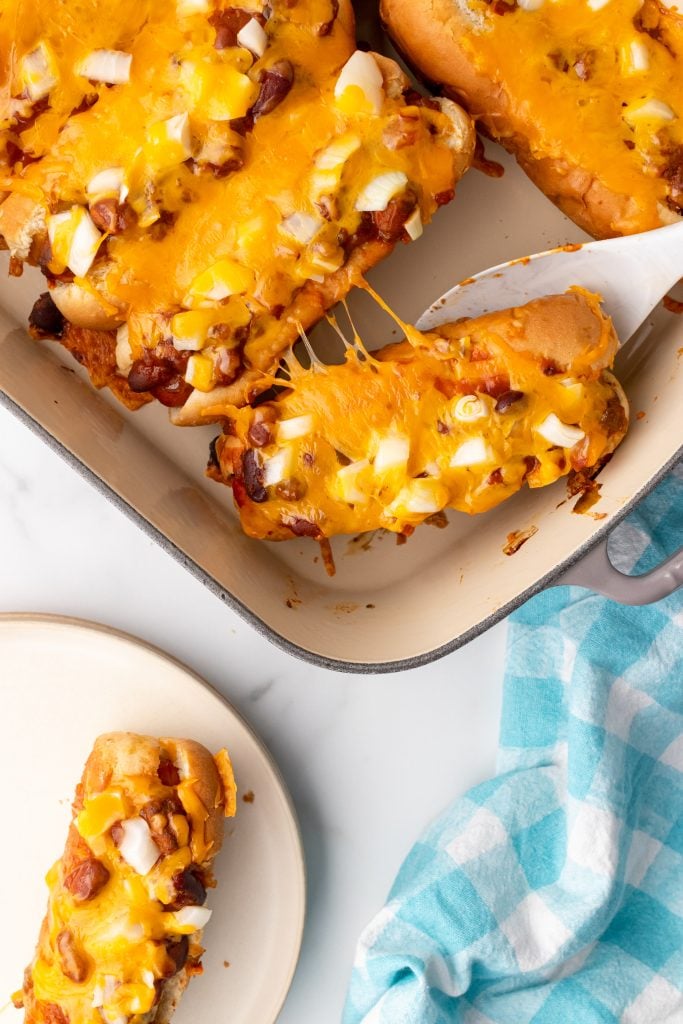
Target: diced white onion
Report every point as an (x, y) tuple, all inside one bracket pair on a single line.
[(108, 183), (361, 70), (109, 66), (650, 110), (559, 433), (298, 426), (529, 5), (38, 72), (302, 227), (189, 343), (84, 245), (413, 226), (391, 452), (346, 482), (597, 5), (82, 238), (178, 130), (137, 847), (640, 56), (278, 467), (124, 353), (193, 917), (420, 497), (472, 452), (469, 409), (253, 37), (337, 153), (323, 183), (148, 978), (377, 193)]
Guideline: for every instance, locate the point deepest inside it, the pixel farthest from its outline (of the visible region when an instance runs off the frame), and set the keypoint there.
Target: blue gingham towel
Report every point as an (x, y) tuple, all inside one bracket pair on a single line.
[(553, 894)]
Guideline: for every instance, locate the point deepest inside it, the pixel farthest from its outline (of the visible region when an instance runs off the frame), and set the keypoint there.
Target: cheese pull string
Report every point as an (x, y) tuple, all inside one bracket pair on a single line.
[(416, 338)]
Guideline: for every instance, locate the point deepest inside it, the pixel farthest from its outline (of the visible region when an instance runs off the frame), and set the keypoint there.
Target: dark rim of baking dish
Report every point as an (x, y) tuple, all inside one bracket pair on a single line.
[(337, 665)]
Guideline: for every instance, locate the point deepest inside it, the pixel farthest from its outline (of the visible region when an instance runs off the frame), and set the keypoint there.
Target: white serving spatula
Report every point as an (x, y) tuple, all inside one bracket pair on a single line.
[(632, 274)]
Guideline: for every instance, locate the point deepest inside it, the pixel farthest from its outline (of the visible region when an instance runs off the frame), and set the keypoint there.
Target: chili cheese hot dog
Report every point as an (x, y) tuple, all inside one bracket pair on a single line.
[(121, 937), (457, 418), (587, 94), (195, 177)]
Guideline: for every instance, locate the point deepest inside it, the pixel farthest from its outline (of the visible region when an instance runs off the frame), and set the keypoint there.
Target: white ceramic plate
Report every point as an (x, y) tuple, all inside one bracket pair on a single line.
[(63, 682)]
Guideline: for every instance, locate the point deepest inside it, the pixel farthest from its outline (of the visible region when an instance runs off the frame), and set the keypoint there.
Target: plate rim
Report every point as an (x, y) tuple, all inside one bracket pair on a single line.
[(93, 626)]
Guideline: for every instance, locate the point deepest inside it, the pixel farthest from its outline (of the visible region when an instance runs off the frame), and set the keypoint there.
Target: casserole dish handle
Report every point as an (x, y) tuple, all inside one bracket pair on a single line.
[(595, 572)]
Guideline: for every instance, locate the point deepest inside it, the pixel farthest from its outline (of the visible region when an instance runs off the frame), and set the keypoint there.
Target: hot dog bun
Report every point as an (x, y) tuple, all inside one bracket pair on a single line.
[(461, 417), (588, 97), (118, 942)]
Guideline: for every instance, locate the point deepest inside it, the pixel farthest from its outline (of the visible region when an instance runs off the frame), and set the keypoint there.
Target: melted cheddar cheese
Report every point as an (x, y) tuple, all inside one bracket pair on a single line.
[(460, 418), (596, 84), (194, 185), (105, 948)]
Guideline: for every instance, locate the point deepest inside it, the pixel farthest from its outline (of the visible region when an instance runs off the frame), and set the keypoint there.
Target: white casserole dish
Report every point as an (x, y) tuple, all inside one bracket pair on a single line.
[(388, 607)]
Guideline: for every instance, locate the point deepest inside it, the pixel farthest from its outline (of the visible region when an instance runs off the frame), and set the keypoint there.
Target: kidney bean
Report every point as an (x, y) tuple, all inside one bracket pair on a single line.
[(444, 197), (276, 81), (147, 373), (116, 832), (227, 23), (189, 890), (174, 394), (45, 320), (252, 473), (177, 953), (507, 399), (364, 233), (259, 435), (157, 814), (303, 527), (73, 962), (389, 222), (291, 490), (110, 216), (87, 879)]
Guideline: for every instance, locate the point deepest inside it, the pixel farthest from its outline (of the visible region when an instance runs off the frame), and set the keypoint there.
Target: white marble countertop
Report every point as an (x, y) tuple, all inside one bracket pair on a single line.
[(369, 760)]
